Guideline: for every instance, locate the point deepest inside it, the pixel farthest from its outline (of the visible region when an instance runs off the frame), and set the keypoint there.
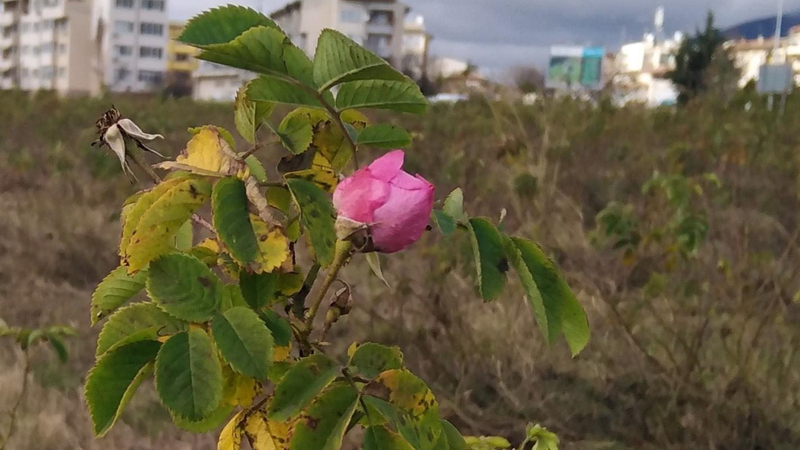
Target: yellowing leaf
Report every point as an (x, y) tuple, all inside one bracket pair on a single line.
[(208, 153), (153, 235), (272, 244), (321, 173), (257, 430), (281, 432), (331, 141), (231, 436), (133, 211), (281, 353), (245, 389)]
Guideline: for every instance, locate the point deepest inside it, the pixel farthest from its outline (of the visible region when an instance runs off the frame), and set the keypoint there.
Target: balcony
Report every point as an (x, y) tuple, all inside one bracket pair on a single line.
[(6, 41), (6, 18)]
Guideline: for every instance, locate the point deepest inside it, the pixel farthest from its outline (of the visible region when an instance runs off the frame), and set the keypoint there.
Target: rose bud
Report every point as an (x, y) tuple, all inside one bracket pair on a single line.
[(382, 208), (113, 131)]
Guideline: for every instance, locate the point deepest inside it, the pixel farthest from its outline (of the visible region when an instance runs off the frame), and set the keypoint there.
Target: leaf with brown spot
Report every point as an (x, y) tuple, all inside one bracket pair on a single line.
[(324, 423)]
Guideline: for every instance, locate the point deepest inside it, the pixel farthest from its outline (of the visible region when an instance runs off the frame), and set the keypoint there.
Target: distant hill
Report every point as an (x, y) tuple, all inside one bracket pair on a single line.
[(763, 27)]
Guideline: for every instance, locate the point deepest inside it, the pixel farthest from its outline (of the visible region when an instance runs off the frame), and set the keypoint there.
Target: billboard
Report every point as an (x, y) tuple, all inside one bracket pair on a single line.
[(575, 68)]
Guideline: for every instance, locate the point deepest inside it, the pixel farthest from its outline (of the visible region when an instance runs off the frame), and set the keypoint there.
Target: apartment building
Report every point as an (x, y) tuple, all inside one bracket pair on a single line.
[(181, 58), (640, 71), (751, 54), (415, 47), (376, 24), (43, 45), (218, 83), (130, 39)]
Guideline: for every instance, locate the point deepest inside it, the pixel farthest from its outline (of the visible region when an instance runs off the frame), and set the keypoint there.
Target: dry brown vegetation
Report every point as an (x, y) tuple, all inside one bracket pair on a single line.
[(693, 345)]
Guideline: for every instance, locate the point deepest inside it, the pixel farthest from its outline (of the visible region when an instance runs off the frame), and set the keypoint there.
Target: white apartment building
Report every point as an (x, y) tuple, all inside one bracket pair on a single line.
[(640, 70), (376, 24), (415, 47), (44, 45), (218, 83), (750, 55), (130, 41)]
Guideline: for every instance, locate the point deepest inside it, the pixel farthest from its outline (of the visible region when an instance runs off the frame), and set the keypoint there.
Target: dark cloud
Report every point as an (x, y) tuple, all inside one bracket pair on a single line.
[(497, 34)]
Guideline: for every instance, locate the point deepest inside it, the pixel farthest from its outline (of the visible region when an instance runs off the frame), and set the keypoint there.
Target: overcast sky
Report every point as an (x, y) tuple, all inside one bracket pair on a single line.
[(498, 34)]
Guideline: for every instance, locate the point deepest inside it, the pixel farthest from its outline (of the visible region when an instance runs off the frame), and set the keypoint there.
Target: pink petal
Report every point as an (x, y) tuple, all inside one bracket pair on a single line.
[(387, 166), (402, 219), (405, 180), (358, 196)]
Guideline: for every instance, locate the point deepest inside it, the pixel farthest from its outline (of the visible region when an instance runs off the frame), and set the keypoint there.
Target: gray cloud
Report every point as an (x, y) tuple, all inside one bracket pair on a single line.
[(497, 34)]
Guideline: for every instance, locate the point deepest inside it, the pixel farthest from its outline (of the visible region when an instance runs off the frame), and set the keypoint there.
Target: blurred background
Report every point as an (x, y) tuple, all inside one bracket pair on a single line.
[(656, 162)]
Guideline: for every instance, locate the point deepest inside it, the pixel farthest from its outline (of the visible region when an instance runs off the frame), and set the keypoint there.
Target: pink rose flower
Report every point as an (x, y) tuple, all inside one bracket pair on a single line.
[(392, 205)]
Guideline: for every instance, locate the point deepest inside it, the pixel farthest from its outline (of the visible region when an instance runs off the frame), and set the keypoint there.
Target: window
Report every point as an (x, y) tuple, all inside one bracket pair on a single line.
[(47, 72), (47, 48), (352, 16), (26, 27), (181, 57), (25, 49), (155, 29), (62, 48), (50, 2), (122, 26), (151, 52), (123, 74), (48, 25), (150, 76), (124, 50), (60, 25), (157, 5), (125, 4), (61, 72)]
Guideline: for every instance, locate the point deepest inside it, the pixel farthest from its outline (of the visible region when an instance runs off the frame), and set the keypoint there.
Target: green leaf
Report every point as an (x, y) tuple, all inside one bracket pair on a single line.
[(339, 59), (317, 216), (560, 302), (454, 206), (300, 385), (454, 439), (114, 291), (417, 413), (295, 133), (384, 136), (532, 291), (256, 168), (244, 341), (137, 322), (259, 49), (113, 381), (184, 238), (323, 425), (370, 360), (249, 114), (232, 220), (446, 224), (400, 96), (232, 297), (212, 423), (189, 375), (184, 287), (222, 25), (279, 327), (374, 262), (490, 257), (153, 234), (258, 289), (276, 90), (379, 437), (58, 346)]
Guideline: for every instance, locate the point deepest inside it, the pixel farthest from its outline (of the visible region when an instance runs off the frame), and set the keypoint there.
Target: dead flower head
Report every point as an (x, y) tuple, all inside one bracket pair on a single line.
[(113, 130)]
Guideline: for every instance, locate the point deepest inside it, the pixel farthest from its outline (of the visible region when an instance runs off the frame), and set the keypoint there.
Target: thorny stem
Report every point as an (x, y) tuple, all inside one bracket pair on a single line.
[(15, 409), (299, 299), (343, 249)]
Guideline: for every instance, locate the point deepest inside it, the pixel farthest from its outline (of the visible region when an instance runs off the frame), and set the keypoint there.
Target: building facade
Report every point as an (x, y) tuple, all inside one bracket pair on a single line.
[(416, 41), (43, 45), (181, 58), (130, 39), (376, 24), (217, 83), (640, 69), (750, 54)]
